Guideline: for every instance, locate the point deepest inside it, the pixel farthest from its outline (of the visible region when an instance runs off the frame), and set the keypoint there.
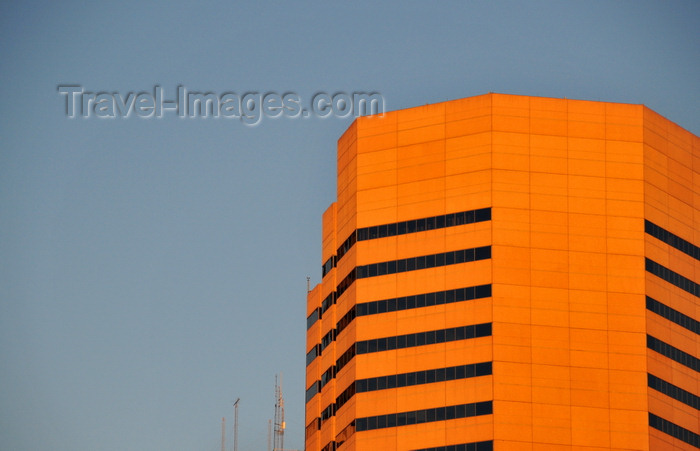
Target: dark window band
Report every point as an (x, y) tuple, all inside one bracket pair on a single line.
[(327, 340), (413, 264), (411, 340), (312, 427), (673, 277), (403, 265), (673, 315), (672, 240), (474, 446), (673, 391), (326, 304), (312, 391), (424, 300), (412, 226), (326, 268), (674, 430), (328, 412), (345, 396), (672, 353), (330, 446), (318, 313), (413, 301), (423, 338), (345, 434), (424, 416), (406, 302), (414, 378), (311, 319), (424, 377), (424, 262), (311, 355), (327, 376), (345, 358)]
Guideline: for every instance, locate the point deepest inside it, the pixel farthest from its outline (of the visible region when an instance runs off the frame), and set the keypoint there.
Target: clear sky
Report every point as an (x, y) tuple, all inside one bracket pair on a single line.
[(154, 270)]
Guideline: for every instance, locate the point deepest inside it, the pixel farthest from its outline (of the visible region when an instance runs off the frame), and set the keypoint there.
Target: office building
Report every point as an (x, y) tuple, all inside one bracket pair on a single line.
[(511, 273)]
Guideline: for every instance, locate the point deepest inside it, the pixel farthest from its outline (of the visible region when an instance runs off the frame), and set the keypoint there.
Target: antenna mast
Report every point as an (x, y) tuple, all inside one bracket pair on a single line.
[(235, 424), (280, 425)]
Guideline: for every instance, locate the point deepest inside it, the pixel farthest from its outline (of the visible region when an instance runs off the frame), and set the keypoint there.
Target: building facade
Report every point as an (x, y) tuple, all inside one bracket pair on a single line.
[(511, 273)]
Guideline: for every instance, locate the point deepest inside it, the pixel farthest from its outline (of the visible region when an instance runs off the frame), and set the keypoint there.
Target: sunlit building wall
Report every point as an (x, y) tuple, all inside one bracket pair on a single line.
[(512, 273)]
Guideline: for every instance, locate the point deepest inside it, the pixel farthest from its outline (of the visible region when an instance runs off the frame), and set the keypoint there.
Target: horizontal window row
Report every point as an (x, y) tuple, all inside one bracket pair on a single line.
[(327, 413), (474, 446), (424, 262), (413, 301), (345, 434), (327, 340), (412, 264), (327, 303), (346, 246), (391, 305), (346, 282), (312, 391), (345, 358), (413, 226), (672, 240), (327, 376), (312, 427), (424, 300), (674, 430), (330, 264), (312, 318), (673, 315), (316, 387), (672, 353), (345, 320), (673, 277), (410, 340), (674, 392), (311, 355), (404, 303), (414, 378), (345, 396), (318, 313), (330, 446), (423, 338), (424, 377), (424, 224), (424, 416)]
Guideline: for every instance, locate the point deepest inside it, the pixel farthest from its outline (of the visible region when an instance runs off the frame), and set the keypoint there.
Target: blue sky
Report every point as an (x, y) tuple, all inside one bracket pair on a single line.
[(154, 270)]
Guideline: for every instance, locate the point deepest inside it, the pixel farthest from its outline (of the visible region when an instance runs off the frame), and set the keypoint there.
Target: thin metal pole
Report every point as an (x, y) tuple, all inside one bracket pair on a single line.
[(235, 425)]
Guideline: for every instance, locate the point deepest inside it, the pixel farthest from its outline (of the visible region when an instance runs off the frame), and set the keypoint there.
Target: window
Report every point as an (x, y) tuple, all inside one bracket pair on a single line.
[(424, 416), (673, 315), (672, 353), (672, 240), (674, 430), (673, 277), (412, 226)]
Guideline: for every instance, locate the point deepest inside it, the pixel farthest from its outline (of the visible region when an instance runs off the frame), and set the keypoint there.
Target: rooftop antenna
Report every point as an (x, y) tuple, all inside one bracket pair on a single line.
[(308, 284), (235, 424), (280, 425)]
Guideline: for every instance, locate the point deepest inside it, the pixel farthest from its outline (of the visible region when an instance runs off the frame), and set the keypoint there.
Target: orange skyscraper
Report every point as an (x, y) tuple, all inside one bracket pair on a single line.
[(511, 273)]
